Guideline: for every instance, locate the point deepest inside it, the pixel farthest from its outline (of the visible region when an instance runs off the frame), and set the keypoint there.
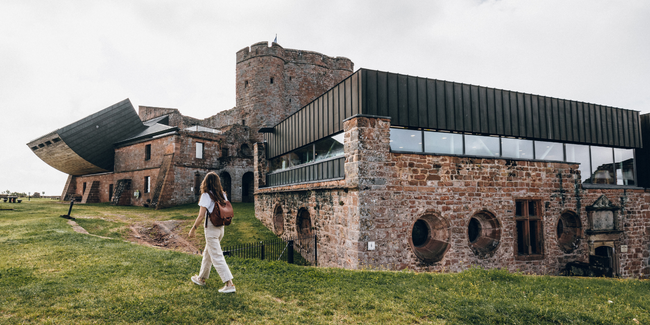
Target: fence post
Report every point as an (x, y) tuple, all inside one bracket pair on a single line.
[(315, 251), (290, 253), (262, 257)]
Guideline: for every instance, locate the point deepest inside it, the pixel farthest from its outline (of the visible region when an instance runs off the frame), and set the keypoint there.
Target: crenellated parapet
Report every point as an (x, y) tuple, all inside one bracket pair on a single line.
[(262, 49)]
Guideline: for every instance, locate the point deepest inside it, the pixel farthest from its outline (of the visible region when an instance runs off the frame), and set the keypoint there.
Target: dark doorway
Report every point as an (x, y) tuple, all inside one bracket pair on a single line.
[(226, 184), (603, 261), (247, 188)]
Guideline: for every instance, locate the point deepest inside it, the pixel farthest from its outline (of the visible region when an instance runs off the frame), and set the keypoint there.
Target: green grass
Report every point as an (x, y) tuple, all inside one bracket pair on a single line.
[(50, 274)]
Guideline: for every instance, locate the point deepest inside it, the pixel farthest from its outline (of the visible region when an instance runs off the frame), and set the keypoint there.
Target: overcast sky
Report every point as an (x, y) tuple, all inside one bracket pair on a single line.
[(63, 60)]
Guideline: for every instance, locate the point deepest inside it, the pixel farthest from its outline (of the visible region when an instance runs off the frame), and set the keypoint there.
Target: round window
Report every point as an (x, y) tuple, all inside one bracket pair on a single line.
[(430, 238), (484, 234), (569, 231)]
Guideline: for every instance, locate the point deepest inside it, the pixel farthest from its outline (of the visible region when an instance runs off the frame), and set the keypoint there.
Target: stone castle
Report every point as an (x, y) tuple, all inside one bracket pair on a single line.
[(387, 170)]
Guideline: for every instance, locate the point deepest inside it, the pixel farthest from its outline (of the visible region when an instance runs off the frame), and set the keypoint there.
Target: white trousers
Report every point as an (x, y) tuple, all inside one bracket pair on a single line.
[(212, 254)]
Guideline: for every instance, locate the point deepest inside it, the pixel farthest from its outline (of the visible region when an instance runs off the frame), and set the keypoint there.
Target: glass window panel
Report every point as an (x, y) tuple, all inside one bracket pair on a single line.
[(624, 159), (580, 154), (549, 150), (517, 148), (481, 146), (199, 150), (602, 161), (304, 155), (440, 142), (405, 140), (329, 147)]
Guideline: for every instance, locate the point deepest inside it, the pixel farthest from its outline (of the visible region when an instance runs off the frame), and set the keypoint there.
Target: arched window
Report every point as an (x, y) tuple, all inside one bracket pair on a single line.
[(278, 220), (225, 183)]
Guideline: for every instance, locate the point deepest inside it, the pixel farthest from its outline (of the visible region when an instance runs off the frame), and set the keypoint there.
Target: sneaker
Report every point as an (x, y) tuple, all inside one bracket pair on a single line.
[(227, 289), (197, 280)]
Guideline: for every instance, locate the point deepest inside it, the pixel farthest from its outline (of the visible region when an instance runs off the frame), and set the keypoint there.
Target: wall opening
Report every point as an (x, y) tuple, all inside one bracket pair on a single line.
[(278, 220), (246, 150), (248, 187), (226, 184), (569, 231), (484, 234), (430, 238)]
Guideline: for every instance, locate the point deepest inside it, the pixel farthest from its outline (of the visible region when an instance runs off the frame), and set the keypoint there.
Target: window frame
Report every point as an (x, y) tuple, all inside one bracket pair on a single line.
[(147, 152), (526, 218), (202, 152), (147, 184)]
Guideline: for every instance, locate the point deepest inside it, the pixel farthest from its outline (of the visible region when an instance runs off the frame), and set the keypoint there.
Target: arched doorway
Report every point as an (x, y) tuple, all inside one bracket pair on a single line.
[(247, 188), (226, 184), (306, 241)]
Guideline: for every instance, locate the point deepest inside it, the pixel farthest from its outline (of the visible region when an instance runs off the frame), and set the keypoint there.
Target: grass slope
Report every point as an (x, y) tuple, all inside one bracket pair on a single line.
[(50, 274)]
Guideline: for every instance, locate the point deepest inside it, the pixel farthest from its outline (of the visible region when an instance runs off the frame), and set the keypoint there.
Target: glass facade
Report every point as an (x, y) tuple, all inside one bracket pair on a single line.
[(405, 140), (476, 145), (549, 151), (598, 165), (517, 148), (443, 143), (580, 154), (330, 147)]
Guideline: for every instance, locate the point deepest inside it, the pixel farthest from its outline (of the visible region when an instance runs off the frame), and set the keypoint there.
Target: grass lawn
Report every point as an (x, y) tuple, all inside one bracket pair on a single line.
[(51, 274)]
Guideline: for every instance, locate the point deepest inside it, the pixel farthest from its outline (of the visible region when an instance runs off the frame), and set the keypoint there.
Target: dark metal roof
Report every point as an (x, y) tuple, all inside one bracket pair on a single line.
[(417, 102), (92, 137)]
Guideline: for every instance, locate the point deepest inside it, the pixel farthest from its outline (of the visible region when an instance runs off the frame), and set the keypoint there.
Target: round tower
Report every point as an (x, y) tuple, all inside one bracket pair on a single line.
[(260, 89)]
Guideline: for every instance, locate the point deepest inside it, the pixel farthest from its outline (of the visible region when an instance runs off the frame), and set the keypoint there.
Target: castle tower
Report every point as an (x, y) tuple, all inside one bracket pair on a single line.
[(274, 82)]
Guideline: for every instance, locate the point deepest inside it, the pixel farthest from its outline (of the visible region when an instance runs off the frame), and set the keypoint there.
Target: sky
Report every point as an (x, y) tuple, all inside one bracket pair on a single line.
[(63, 60)]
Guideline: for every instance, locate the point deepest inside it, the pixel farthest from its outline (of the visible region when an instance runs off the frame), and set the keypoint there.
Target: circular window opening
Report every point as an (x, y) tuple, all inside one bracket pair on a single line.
[(569, 231), (474, 230), (278, 220), (430, 238), (420, 233), (484, 234)]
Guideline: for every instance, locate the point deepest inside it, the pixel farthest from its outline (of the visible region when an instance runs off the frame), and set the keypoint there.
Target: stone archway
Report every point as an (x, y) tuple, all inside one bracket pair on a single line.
[(226, 182), (248, 187)]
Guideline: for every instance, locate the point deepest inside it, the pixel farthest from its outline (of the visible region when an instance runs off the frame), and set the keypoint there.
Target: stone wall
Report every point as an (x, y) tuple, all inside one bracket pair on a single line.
[(385, 193)]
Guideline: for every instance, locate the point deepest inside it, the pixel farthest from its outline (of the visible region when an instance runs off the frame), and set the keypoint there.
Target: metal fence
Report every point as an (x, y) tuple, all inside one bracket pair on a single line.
[(301, 250)]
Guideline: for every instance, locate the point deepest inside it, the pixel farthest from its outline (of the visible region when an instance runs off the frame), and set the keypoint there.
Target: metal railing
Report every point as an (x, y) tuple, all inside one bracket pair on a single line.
[(279, 250)]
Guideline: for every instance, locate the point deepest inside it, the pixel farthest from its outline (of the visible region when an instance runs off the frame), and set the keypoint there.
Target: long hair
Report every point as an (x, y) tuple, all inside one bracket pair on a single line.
[(212, 185)]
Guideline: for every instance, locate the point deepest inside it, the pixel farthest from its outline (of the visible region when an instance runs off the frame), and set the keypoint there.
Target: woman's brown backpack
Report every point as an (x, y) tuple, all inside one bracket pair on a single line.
[(221, 215)]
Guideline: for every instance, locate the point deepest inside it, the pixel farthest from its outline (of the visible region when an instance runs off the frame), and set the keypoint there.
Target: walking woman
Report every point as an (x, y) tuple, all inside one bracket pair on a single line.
[(211, 192)]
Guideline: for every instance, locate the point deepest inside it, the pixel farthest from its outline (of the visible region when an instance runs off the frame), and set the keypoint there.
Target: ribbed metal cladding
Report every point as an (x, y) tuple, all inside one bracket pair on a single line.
[(319, 119), (643, 154), (442, 105), (92, 137), (417, 102), (329, 169)]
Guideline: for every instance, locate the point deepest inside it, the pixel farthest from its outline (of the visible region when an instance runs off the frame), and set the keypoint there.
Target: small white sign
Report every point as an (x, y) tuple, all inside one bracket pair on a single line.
[(623, 248), (371, 245)]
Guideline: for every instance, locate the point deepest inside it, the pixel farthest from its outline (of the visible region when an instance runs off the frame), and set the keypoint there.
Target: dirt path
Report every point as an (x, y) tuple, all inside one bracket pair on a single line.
[(161, 234)]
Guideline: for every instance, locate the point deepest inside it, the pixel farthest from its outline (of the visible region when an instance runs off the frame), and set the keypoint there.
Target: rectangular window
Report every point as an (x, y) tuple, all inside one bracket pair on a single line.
[(580, 154), (476, 145), (224, 152), (602, 162), (443, 143), (199, 150), (516, 148), (147, 152), (624, 161), (329, 147), (147, 184), (405, 140), (549, 151), (528, 217)]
